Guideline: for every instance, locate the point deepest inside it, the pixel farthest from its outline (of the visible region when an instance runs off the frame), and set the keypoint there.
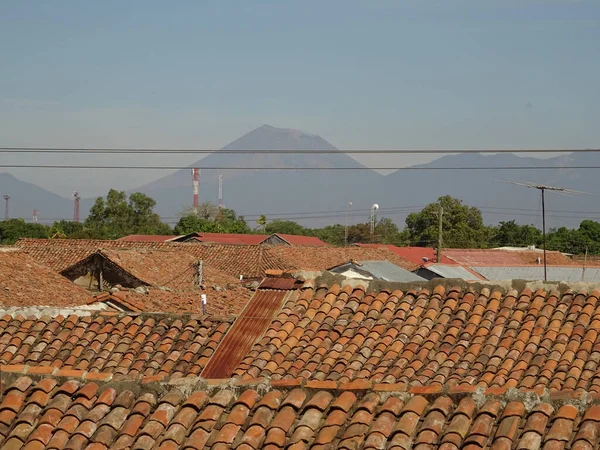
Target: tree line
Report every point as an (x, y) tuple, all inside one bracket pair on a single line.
[(118, 215)]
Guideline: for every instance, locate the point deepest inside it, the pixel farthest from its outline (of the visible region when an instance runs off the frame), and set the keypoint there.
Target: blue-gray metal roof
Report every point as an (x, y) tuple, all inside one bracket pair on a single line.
[(448, 271), (385, 270), (534, 273)]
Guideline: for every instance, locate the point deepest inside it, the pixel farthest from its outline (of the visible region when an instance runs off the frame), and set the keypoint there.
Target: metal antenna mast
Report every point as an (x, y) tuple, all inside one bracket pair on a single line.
[(220, 198), (374, 208), (76, 199), (6, 198), (196, 187), (543, 188), (346, 224), (34, 216)]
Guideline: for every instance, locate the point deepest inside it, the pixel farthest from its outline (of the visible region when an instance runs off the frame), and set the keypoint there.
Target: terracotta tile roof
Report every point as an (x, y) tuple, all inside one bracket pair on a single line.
[(129, 345), (25, 282), (161, 268), (293, 239), (494, 257), (57, 257), (231, 238), (323, 258), (413, 254), (146, 238), (52, 413), (454, 338), (251, 261), (226, 302)]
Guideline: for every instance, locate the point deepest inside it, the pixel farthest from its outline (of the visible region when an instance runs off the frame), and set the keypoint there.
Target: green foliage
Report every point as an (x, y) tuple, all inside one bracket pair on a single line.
[(512, 234), (462, 225), (65, 229), (13, 229), (204, 221), (286, 227), (115, 217), (332, 234)]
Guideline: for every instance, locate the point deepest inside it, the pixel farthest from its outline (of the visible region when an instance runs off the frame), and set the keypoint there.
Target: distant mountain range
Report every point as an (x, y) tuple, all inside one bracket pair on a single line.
[(308, 194)]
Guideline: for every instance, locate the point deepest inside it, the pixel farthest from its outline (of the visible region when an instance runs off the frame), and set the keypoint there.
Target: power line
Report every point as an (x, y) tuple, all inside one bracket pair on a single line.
[(282, 151), (411, 168), (388, 211)]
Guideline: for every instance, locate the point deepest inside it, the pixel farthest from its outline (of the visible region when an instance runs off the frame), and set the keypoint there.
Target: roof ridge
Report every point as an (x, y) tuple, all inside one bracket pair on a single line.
[(564, 396)]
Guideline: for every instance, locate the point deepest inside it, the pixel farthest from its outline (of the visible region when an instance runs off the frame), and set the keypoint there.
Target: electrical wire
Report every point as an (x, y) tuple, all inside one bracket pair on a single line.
[(410, 168), (281, 151)]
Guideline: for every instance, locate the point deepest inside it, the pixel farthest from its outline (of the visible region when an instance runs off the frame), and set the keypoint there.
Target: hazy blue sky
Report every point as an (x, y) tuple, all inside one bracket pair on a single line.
[(362, 74)]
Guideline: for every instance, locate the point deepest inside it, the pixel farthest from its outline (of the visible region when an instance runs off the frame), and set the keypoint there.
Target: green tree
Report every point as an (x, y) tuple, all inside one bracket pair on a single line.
[(194, 224), (262, 221), (206, 210), (286, 227), (66, 229), (230, 222), (512, 234), (227, 222), (116, 217), (462, 225), (332, 234), (13, 229)]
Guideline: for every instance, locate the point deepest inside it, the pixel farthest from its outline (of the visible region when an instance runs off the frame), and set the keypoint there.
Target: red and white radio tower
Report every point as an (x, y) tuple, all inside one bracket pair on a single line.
[(76, 198), (196, 176), (35, 216)]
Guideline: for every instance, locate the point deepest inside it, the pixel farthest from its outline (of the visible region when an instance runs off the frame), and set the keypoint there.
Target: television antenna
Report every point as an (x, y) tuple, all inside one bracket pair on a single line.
[(543, 188)]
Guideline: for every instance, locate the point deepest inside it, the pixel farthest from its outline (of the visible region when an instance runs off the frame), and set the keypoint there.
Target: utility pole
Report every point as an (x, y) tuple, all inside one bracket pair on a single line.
[(544, 188), (346, 224), (439, 248), (6, 198)]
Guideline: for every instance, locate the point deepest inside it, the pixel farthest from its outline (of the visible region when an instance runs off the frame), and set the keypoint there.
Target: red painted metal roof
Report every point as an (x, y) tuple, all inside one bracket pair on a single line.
[(247, 329)]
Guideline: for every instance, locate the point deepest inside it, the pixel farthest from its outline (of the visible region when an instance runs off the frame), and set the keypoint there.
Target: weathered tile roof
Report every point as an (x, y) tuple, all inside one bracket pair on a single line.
[(54, 413), (129, 345), (161, 268), (413, 254), (250, 261), (147, 238), (496, 257), (323, 258), (454, 338), (25, 282), (293, 239), (220, 302)]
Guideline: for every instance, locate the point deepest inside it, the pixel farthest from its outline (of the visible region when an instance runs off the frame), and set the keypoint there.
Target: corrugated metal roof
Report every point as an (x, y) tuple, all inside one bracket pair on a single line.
[(448, 271), (571, 274), (249, 326), (385, 270), (284, 284)]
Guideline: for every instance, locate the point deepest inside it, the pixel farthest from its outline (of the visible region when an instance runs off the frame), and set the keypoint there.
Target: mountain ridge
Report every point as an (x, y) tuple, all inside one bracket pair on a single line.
[(272, 192)]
